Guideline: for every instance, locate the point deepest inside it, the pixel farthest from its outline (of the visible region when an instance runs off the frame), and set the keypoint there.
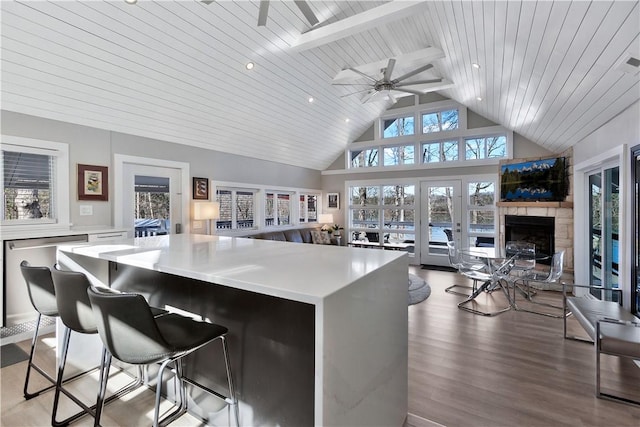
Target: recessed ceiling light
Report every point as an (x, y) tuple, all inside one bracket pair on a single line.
[(476, 65), (311, 99), (250, 65), (347, 120), (479, 99), (131, 1)]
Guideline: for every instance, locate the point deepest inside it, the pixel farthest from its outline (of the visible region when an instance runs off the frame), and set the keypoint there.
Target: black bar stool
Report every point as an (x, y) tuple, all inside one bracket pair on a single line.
[(75, 311), (43, 299), (131, 334)]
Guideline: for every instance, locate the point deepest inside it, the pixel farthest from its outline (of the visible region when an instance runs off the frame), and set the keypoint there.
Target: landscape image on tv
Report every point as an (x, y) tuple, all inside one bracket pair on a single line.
[(539, 180)]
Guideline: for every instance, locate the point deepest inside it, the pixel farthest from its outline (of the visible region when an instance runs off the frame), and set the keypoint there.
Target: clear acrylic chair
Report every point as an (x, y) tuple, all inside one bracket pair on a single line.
[(455, 262), (551, 276)]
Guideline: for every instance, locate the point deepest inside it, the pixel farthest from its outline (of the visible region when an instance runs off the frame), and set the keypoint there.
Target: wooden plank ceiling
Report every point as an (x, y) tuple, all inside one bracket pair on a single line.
[(175, 70)]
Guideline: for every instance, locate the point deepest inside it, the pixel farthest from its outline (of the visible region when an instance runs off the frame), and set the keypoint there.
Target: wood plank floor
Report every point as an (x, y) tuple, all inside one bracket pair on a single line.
[(514, 369)]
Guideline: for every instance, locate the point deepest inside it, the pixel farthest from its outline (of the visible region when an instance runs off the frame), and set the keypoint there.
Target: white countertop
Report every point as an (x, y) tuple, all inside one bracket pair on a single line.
[(297, 271)]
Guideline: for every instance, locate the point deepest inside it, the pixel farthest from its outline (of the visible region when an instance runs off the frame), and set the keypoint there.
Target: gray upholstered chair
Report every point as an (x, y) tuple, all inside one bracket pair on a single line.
[(76, 314), (132, 335), (43, 299)]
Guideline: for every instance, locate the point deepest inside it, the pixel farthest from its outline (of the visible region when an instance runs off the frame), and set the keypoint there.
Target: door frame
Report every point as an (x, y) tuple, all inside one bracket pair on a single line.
[(119, 161)]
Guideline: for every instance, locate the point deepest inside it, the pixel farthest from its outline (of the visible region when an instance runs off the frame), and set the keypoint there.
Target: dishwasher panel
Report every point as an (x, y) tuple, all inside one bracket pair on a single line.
[(16, 307)]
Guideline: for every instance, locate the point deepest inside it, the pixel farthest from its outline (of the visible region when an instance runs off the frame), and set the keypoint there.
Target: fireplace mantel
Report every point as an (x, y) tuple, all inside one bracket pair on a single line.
[(566, 205)]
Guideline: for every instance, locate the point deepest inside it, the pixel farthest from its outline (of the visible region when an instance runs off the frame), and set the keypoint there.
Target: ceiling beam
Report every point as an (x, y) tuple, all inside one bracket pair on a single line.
[(377, 16)]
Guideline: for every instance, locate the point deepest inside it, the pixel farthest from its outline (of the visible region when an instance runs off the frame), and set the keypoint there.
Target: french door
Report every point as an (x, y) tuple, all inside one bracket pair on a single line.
[(604, 221), (441, 207), (152, 202)]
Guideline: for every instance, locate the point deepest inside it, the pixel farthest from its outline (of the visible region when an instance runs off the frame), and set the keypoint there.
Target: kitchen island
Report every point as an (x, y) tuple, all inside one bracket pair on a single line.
[(317, 334)]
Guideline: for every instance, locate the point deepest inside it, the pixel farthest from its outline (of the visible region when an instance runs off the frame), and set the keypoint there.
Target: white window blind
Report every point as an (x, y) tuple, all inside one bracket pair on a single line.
[(29, 183)]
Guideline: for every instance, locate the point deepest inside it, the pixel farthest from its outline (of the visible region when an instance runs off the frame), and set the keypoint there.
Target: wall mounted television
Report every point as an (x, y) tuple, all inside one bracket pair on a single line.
[(536, 180)]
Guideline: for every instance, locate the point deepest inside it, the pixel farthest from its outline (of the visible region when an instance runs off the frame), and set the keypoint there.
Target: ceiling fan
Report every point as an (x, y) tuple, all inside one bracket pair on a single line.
[(379, 83)]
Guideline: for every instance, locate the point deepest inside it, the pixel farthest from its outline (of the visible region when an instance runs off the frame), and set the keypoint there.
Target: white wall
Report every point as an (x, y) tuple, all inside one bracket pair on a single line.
[(93, 146), (622, 129)]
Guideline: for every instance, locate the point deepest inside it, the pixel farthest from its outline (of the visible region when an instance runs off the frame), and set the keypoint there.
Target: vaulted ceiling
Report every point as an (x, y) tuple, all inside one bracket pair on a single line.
[(552, 71)]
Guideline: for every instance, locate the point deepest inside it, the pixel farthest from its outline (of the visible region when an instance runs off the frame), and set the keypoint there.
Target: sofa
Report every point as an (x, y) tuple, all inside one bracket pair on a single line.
[(294, 235)]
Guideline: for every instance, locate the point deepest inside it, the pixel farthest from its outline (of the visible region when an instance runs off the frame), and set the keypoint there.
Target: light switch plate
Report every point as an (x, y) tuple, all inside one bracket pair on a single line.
[(86, 210)]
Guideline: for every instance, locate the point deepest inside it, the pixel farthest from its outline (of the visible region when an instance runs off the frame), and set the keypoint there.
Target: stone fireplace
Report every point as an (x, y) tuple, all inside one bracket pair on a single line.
[(555, 217)]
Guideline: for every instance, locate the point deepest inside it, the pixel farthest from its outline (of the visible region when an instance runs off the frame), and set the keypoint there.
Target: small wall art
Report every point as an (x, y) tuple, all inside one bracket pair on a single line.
[(333, 200), (200, 188), (93, 182)]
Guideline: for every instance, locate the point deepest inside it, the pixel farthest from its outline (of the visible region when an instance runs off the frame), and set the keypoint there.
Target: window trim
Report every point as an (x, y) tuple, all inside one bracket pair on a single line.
[(58, 150)]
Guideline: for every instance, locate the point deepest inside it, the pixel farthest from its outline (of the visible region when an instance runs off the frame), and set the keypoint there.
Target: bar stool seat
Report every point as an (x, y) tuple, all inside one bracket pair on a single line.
[(132, 334)]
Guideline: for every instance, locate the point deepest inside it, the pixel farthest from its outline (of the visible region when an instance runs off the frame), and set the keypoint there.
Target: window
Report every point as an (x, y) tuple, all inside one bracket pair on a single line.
[(440, 121), (237, 209), (308, 208), (364, 158), (485, 148), (399, 126), (434, 152), (277, 209), (383, 214), (400, 155), (35, 182)]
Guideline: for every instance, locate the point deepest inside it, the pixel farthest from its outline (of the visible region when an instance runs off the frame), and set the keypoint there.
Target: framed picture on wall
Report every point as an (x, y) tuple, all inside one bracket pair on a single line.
[(201, 188), (93, 182), (333, 200)]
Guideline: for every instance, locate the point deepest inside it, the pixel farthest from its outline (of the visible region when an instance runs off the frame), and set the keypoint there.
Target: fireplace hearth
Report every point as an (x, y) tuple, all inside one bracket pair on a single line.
[(539, 230)]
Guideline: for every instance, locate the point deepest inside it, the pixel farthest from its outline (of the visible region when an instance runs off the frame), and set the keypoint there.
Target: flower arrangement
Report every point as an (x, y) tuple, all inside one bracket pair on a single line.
[(334, 229)]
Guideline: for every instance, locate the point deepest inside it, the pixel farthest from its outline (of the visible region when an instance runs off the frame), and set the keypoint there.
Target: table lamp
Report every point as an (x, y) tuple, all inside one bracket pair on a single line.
[(206, 211)]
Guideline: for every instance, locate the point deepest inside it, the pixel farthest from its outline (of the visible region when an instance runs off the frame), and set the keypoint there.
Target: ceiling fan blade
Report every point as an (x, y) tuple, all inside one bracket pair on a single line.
[(418, 82), (262, 13), (369, 97), (350, 84), (362, 74), (413, 73), (389, 69), (307, 12), (354, 93)]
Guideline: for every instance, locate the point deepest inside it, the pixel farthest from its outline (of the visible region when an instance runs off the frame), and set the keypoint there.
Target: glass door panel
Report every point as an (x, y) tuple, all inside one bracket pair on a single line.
[(604, 218), (441, 220), (635, 249)]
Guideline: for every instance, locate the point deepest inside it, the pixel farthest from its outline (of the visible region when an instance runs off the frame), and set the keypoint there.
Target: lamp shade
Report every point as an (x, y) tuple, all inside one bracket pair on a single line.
[(206, 210), (325, 218)]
